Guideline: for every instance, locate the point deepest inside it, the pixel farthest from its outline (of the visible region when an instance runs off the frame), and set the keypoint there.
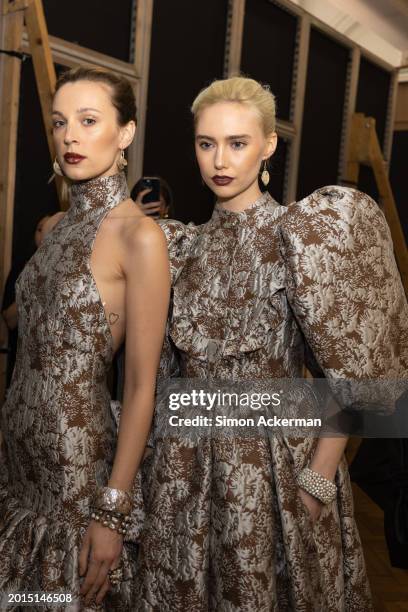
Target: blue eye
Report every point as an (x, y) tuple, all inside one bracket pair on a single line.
[(58, 123), (237, 144), (205, 145)]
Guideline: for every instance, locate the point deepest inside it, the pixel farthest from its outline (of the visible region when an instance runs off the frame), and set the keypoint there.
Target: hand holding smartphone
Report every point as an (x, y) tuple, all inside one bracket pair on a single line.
[(150, 202), (153, 183)]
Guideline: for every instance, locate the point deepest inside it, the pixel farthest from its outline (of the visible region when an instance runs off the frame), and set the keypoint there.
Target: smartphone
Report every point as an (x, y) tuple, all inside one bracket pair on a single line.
[(147, 182)]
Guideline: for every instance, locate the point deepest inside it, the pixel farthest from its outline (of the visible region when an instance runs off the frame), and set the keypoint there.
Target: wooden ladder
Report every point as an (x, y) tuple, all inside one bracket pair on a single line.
[(15, 13), (364, 148), (32, 12)]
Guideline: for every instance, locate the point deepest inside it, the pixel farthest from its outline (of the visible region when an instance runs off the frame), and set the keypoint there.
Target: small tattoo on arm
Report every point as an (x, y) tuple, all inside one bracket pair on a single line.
[(113, 317)]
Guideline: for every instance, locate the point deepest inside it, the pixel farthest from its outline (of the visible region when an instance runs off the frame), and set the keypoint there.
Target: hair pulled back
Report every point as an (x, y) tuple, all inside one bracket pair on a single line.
[(123, 98), (243, 90)]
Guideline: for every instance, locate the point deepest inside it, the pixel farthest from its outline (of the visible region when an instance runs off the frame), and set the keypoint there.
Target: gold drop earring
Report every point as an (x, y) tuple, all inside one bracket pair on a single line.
[(265, 174), (122, 161), (57, 168)]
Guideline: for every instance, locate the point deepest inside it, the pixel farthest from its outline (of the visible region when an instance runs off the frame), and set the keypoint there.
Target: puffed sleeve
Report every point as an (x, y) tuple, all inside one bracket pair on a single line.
[(180, 238), (345, 290)]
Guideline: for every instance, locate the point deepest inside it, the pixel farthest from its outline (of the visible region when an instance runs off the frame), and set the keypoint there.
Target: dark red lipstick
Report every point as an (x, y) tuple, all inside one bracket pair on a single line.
[(222, 180), (73, 158)]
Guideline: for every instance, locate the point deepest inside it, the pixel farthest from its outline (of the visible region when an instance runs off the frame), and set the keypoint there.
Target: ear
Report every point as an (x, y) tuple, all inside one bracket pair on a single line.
[(271, 144), (127, 133)]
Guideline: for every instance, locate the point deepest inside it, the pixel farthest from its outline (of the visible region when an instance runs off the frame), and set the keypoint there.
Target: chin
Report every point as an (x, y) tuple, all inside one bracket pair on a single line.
[(228, 191), (74, 173)]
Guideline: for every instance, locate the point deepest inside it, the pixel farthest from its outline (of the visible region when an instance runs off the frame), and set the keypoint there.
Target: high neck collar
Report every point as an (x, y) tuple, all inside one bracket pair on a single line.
[(221, 214), (99, 193)]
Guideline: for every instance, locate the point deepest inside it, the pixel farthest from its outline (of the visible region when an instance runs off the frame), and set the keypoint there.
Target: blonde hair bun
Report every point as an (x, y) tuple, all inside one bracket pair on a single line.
[(243, 90)]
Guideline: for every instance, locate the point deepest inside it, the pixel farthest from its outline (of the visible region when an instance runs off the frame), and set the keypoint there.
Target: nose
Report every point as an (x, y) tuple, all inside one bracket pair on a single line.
[(220, 160), (69, 136)]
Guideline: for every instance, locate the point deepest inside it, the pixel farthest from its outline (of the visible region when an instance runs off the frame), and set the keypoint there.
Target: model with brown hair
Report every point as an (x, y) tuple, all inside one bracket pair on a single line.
[(101, 272)]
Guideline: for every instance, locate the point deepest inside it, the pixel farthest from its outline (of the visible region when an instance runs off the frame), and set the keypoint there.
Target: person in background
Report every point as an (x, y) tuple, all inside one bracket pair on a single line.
[(9, 307), (163, 209)]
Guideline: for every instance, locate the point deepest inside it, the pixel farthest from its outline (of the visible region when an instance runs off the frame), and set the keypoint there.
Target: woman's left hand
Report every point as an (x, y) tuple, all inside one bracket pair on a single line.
[(313, 505), (101, 551)]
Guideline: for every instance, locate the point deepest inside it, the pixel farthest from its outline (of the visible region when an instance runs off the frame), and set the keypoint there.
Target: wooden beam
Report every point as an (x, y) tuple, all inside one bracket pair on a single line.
[(144, 17), (8, 146), (386, 145), (70, 55), (297, 103), (43, 64), (356, 153), (233, 37), (11, 6)]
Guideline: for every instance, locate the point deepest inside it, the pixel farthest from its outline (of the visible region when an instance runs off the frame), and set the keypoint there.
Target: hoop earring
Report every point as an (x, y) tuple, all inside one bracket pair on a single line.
[(122, 161), (265, 174), (57, 168)]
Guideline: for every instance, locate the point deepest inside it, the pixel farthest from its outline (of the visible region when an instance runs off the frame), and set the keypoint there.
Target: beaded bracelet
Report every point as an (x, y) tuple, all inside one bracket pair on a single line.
[(317, 485), (114, 520)]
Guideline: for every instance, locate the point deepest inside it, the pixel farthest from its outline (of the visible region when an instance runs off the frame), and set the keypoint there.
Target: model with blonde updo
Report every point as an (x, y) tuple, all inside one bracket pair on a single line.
[(264, 522)]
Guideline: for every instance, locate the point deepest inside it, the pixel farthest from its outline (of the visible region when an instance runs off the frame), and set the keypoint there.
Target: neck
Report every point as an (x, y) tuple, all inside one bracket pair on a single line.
[(101, 192), (242, 200)]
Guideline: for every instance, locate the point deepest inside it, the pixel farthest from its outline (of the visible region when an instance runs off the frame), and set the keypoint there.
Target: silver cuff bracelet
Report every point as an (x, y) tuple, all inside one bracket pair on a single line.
[(112, 500)]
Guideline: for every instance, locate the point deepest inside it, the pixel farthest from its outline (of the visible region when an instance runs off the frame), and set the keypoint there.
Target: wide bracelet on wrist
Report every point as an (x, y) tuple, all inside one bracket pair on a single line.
[(317, 485), (112, 500), (114, 520)]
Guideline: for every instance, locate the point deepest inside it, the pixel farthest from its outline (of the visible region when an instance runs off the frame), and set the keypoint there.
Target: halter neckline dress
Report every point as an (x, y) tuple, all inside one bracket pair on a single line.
[(58, 427)]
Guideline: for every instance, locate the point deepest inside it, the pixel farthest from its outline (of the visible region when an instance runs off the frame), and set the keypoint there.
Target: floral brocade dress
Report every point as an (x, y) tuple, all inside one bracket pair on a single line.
[(225, 528), (58, 426)]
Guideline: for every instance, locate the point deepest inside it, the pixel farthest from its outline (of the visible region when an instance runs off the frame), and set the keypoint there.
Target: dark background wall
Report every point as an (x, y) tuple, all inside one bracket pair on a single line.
[(268, 52), (100, 25), (398, 176), (322, 113), (187, 53)]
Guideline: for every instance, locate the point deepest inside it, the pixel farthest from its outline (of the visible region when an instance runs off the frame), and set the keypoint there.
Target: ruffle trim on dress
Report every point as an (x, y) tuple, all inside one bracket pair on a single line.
[(252, 337)]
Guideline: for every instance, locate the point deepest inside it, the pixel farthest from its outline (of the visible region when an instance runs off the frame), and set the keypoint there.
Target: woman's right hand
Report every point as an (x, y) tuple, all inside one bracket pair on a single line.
[(151, 209)]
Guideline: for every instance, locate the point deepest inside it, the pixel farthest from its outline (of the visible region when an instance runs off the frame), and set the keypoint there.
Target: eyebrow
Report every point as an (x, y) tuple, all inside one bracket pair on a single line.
[(235, 137), (80, 110)]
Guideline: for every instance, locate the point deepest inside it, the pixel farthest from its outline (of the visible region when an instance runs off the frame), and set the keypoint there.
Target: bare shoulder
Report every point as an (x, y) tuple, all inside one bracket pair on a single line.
[(142, 234), (52, 222)]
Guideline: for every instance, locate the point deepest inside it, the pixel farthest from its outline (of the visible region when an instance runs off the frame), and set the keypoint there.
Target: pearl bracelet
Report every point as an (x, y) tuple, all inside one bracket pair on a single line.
[(114, 520), (317, 485)]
